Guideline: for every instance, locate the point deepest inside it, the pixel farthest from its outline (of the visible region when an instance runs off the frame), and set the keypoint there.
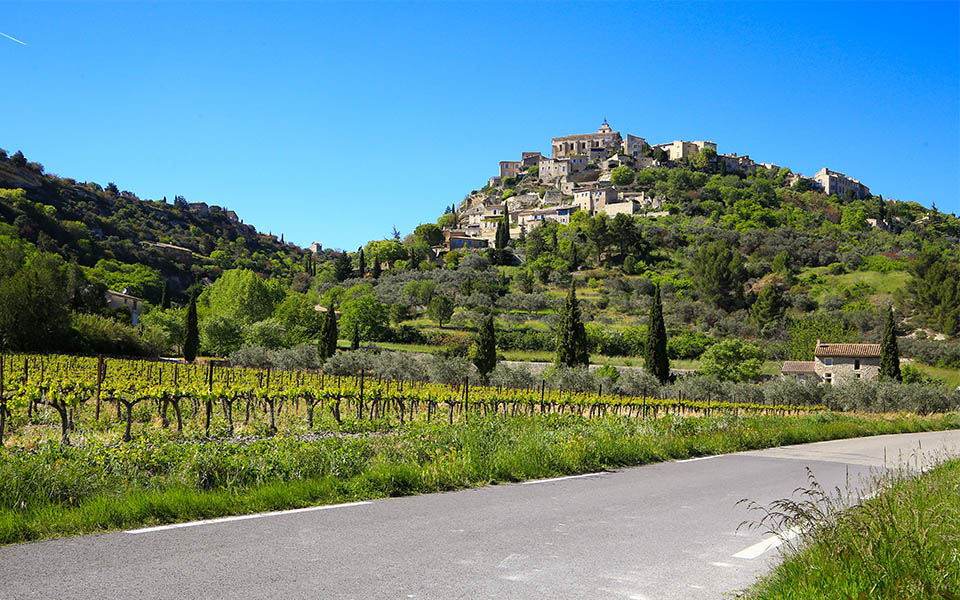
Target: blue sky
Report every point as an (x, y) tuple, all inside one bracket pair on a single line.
[(337, 122)]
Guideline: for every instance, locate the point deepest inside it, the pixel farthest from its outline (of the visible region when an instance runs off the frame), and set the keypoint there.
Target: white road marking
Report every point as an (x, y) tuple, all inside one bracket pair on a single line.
[(243, 517), (562, 478), (722, 564), (768, 544), (698, 458)]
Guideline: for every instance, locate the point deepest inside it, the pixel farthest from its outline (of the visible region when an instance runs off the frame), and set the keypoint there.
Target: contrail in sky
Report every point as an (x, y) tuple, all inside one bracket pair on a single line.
[(12, 38)]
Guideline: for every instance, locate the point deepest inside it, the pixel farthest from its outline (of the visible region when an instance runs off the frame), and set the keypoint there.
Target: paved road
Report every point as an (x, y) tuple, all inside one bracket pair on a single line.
[(660, 531)]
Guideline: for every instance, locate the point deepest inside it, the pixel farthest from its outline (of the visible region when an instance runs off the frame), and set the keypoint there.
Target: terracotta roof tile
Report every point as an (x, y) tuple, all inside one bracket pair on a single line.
[(797, 366), (854, 350)]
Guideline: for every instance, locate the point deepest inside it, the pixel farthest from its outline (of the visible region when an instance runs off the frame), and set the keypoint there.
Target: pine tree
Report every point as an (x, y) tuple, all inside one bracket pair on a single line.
[(485, 353), (889, 352), (655, 359), (768, 307), (571, 336), (363, 262), (191, 343)]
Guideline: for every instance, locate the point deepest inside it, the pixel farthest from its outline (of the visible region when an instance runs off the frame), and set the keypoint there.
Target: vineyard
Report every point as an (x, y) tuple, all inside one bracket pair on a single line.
[(93, 394)]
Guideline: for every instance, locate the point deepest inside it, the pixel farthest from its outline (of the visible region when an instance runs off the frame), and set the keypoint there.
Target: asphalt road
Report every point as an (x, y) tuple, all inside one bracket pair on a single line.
[(660, 531)]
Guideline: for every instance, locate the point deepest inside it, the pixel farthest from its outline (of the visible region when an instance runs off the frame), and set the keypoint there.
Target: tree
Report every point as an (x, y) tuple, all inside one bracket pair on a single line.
[(244, 296), (718, 272), (503, 230), (571, 350), (221, 334), (622, 175), (34, 305), (355, 338), (768, 307), (376, 270), (732, 360), (366, 314), (327, 345), (804, 333), (191, 341), (655, 359), (362, 264), (429, 233), (705, 158), (485, 348), (342, 269), (440, 308), (889, 352)]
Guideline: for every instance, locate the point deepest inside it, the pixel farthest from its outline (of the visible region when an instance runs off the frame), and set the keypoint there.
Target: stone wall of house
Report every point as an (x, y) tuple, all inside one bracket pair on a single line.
[(844, 368)]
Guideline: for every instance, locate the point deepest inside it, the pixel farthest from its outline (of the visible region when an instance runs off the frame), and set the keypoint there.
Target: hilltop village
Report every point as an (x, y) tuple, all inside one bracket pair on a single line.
[(582, 175)]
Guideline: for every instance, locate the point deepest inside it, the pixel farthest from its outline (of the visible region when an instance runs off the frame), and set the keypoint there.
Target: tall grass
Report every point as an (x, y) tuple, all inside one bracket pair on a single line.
[(904, 543), (56, 490)]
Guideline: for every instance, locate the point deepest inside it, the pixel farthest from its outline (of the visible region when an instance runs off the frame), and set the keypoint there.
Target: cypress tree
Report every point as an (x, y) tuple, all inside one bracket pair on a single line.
[(503, 230), (655, 359), (355, 340), (165, 299), (363, 263), (571, 336), (375, 270), (327, 345), (191, 343), (889, 352), (485, 357)]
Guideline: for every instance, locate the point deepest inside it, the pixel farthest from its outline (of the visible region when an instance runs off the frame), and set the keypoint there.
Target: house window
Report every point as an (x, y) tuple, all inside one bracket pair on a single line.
[(858, 375), (828, 377), (828, 361), (856, 365)]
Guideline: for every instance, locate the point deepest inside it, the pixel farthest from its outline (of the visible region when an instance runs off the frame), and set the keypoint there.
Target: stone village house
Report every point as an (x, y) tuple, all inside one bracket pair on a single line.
[(836, 363)]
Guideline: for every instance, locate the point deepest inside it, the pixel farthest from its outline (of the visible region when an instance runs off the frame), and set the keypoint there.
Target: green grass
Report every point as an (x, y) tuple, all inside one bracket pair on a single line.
[(55, 490), (951, 376), (903, 544), (884, 284)]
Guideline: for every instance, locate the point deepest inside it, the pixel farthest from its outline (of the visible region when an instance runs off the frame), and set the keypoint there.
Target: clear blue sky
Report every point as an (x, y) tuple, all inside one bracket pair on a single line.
[(335, 122)]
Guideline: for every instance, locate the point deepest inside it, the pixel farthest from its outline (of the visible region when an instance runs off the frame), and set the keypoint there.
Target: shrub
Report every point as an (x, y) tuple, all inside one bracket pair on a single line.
[(519, 377)]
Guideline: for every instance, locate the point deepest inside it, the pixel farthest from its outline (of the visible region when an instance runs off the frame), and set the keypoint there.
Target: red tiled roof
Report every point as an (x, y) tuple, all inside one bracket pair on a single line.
[(854, 350), (797, 366)]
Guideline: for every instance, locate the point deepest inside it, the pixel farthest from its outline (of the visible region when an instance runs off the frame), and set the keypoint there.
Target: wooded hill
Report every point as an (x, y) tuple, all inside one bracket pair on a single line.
[(88, 223)]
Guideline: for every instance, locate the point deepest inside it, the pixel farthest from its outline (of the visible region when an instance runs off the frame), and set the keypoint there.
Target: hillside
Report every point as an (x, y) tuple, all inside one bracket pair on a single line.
[(184, 243)]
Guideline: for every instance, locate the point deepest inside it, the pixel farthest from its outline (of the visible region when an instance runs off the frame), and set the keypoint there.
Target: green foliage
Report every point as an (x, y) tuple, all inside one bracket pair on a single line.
[(485, 348), (688, 344), (221, 334), (342, 267), (769, 306), (268, 333), (935, 291), (508, 193), (429, 233), (34, 305), (655, 359), (889, 352), (327, 344), (241, 295), (622, 175), (718, 273), (732, 360), (365, 315), (440, 308), (572, 348), (138, 280), (503, 231), (805, 331), (191, 340)]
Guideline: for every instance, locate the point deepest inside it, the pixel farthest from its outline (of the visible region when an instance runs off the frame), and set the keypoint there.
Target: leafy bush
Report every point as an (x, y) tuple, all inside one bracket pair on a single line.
[(688, 344)]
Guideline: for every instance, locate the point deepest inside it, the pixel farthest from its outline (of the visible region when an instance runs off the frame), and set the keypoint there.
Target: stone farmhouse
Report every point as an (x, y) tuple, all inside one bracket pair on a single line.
[(680, 150), (122, 299), (836, 364)]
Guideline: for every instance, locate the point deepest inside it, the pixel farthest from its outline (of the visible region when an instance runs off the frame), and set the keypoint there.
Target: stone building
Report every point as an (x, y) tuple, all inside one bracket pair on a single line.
[(832, 182), (560, 214), (122, 299), (731, 163), (679, 149), (554, 168), (582, 143), (633, 145), (836, 363), (594, 197)]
